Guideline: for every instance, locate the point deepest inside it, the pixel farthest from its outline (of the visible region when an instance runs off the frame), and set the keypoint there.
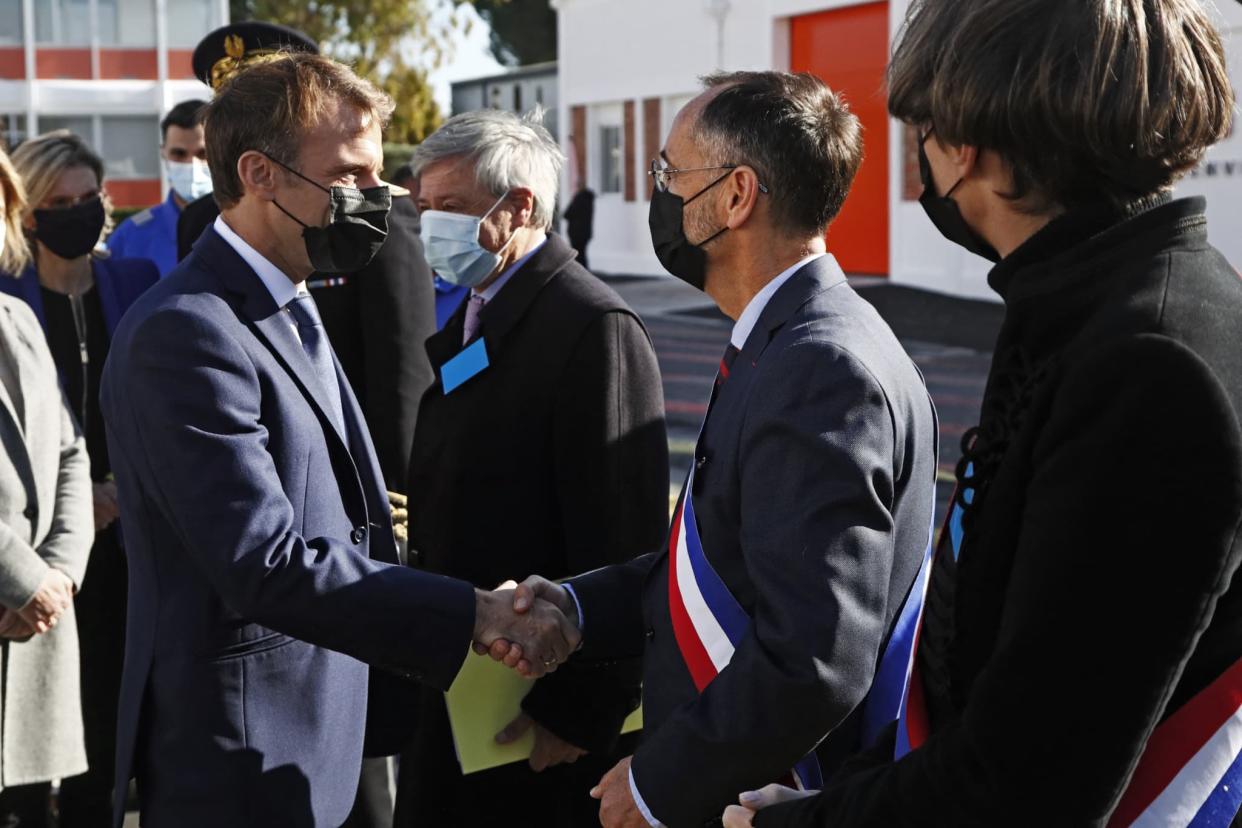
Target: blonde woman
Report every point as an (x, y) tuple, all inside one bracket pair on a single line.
[(45, 537), (78, 293)]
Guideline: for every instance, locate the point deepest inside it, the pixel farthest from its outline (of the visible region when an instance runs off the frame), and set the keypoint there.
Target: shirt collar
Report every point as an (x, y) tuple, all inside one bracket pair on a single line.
[(746, 322), (274, 279), (495, 286)]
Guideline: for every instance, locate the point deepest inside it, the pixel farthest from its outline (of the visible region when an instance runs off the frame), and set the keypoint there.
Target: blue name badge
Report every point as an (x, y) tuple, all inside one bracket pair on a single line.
[(465, 365)]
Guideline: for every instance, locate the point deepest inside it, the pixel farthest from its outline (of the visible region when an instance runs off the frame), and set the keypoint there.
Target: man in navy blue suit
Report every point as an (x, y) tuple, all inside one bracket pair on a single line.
[(263, 570), (767, 623)]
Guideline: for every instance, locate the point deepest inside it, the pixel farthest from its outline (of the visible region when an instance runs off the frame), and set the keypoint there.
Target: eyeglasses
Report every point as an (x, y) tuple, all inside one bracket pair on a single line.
[(661, 174)]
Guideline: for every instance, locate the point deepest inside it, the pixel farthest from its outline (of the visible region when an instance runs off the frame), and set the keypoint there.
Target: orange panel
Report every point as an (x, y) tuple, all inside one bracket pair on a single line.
[(134, 193), (54, 63), (848, 49), (128, 64), (13, 63), (180, 64)]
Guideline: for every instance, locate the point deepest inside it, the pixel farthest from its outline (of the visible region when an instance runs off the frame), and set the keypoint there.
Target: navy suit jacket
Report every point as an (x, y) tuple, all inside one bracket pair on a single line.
[(814, 491), (262, 563)]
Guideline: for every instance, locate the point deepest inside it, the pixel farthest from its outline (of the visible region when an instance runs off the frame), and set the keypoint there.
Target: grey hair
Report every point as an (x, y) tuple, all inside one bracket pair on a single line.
[(507, 150)]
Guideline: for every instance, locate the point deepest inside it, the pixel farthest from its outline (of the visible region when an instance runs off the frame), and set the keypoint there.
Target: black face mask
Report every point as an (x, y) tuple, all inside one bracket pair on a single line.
[(677, 255), (71, 232), (354, 233), (945, 214)]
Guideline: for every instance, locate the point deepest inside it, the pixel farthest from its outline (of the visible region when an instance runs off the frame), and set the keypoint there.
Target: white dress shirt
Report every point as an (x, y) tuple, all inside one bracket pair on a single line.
[(279, 285)]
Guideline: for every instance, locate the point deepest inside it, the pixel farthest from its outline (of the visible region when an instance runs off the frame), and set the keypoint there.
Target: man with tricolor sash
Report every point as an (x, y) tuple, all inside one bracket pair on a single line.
[(785, 593), (1079, 659)]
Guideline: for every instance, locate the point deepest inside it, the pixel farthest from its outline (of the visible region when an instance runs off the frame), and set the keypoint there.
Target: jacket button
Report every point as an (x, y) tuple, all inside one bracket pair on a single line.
[(30, 512), (699, 463), (651, 633), (357, 535)]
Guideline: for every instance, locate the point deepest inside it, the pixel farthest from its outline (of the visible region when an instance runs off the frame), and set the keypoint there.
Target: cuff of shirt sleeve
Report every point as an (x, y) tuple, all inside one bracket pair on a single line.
[(577, 606), (642, 806)]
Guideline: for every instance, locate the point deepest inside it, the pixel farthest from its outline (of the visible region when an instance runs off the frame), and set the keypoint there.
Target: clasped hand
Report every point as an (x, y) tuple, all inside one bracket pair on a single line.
[(532, 633), (41, 613)]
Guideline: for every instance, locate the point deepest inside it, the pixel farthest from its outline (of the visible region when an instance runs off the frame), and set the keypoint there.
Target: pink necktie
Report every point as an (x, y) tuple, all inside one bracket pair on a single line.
[(473, 310)]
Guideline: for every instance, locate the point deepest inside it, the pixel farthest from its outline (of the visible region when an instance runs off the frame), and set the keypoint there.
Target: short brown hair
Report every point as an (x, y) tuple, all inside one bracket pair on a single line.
[(1087, 101), (270, 106), (801, 138)]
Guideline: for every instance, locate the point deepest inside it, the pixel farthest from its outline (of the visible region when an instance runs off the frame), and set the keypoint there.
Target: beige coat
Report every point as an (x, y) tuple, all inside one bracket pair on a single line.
[(46, 520)]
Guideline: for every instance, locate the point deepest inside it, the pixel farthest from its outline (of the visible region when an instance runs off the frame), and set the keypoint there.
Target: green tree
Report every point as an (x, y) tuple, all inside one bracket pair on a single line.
[(523, 31), (375, 37)]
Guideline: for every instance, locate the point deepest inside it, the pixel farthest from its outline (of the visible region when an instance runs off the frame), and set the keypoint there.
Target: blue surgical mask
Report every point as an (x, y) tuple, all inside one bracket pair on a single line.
[(451, 245), (189, 179)]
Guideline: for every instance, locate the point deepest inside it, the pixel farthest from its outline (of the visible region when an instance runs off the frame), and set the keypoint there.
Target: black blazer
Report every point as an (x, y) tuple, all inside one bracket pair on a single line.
[(814, 492), (554, 460), (1093, 590), (377, 320)]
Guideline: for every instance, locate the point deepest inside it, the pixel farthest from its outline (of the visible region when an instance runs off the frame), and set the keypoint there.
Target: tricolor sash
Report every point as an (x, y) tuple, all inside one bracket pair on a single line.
[(709, 624), (1190, 772)]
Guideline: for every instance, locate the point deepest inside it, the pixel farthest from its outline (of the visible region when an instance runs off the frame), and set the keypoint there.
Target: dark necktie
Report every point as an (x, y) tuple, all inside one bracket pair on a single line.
[(319, 351), (726, 364)]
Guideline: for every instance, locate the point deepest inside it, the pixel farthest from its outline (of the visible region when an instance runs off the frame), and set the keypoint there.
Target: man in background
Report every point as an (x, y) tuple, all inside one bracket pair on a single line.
[(152, 234)]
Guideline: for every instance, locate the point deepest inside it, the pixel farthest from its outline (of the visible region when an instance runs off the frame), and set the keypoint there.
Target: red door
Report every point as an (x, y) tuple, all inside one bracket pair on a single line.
[(848, 49)]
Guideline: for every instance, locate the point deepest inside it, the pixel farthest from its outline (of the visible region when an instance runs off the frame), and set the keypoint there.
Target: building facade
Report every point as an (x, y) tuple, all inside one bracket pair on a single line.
[(107, 70), (518, 90), (626, 68)]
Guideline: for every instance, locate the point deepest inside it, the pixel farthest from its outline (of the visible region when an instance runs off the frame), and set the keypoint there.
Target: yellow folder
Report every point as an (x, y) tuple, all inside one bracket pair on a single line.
[(484, 698)]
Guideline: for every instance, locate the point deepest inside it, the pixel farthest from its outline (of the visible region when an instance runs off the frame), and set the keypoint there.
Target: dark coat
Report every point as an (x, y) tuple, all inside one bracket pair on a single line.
[(195, 218), (1092, 593), (554, 460), (262, 562), (814, 485), (378, 320)]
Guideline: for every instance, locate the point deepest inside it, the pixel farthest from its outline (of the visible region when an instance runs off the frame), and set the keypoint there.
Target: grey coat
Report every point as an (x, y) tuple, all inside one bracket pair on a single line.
[(46, 520)]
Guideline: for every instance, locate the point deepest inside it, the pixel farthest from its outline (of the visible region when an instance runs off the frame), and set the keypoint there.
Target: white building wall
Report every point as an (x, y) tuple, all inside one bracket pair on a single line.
[(1219, 177), (611, 52)]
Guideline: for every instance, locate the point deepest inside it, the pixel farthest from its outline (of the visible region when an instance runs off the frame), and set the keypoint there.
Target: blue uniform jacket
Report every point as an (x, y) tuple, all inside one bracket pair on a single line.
[(151, 234), (263, 569), (448, 299), (119, 282)]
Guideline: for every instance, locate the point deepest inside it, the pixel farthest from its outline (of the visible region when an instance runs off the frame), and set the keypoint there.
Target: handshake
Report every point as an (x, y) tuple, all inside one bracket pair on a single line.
[(532, 627), (40, 614)]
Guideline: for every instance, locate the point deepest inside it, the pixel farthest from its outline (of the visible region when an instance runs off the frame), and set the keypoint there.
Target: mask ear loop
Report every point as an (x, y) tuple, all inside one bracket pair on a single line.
[(512, 236)]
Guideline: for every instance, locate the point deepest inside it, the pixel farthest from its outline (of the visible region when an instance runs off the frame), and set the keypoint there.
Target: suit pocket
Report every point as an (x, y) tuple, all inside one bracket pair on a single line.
[(250, 646)]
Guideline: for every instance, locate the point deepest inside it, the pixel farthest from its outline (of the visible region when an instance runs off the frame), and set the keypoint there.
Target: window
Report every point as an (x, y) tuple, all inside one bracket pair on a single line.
[(130, 146), (127, 23), (610, 160), (190, 20), (63, 22), (81, 125), (12, 130), (11, 22)]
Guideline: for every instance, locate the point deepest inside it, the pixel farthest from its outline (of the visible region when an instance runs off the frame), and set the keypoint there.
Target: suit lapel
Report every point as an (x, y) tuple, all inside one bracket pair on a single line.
[(804, 285), (273, 326), (507, 308), (13, 345)]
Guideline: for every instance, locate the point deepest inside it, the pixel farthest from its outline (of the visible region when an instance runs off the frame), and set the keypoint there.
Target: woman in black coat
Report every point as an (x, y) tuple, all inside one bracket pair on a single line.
[(1080, 656)]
